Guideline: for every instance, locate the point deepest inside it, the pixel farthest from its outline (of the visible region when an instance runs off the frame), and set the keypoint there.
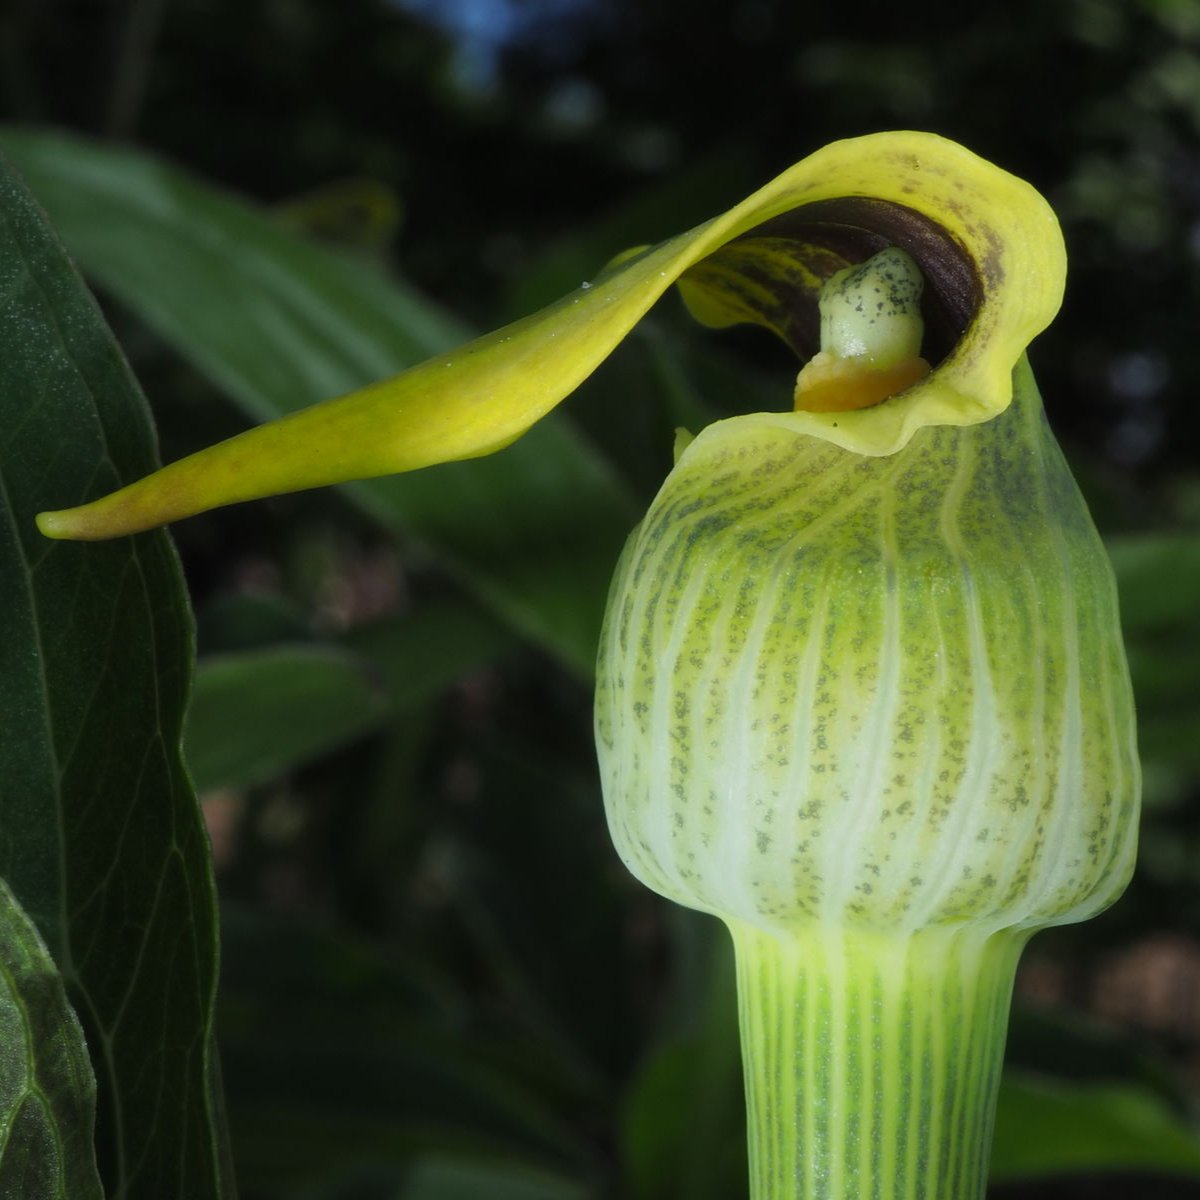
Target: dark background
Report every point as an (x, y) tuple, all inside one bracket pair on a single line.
[(495, 153)]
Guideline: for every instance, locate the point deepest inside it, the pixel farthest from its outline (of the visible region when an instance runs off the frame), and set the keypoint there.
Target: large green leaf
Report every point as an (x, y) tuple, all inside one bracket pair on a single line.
[(280, 323), (47, 1089), (101, 839)]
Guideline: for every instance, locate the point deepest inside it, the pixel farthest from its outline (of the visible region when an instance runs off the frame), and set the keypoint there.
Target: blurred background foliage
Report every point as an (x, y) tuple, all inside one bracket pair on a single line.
[(437, 980)]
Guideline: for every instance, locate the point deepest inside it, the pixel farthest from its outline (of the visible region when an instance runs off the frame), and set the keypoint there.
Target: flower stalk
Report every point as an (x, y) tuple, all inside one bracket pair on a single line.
[(872, 1061)]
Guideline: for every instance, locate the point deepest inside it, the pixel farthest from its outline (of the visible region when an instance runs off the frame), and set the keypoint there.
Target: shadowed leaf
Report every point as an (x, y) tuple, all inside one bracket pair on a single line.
[(101, 839), (47, 1090), (257, 714)]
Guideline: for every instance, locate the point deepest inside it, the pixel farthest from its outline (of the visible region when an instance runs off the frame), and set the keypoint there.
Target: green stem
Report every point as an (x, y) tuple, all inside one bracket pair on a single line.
[(872, 1060)]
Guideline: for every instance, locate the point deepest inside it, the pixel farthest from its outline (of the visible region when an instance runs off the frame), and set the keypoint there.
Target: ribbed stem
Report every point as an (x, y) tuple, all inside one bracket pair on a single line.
[(872, 1061)]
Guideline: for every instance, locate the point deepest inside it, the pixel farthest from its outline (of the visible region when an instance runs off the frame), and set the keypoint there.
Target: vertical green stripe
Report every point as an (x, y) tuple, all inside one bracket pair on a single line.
[(872, 1061)]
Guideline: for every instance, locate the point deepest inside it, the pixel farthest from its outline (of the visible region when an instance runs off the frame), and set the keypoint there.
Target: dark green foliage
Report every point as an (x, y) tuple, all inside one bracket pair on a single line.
[(437, 981), (101, 839), (47, 1090)]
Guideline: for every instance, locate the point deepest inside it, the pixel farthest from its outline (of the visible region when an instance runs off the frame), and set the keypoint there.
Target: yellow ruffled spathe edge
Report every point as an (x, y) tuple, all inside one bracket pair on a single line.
[(484, 395)]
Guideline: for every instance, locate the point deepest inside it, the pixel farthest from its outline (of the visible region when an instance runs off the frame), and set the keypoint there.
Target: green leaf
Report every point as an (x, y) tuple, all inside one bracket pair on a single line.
[(101, 839), (279, 323), (47, 1089), (258, 714), (1045, 1127)]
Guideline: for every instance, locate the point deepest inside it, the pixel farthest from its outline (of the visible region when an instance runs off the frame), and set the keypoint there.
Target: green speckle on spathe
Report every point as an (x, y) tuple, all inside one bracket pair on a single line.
[(858, 743)]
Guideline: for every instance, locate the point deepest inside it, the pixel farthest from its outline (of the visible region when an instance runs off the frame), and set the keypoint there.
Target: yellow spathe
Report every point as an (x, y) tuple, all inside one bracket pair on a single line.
[(986, 227)]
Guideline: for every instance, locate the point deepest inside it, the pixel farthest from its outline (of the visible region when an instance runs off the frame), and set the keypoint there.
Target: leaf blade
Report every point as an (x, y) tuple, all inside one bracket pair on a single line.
[(259, 713), (47, 1089), (101, 839)]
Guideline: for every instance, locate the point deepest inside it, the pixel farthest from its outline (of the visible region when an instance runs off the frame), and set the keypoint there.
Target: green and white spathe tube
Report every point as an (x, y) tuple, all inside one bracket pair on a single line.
[(873, 712)]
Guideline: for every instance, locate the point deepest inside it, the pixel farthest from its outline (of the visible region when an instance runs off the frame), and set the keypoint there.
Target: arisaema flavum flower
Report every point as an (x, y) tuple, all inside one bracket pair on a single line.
[(861, 690)]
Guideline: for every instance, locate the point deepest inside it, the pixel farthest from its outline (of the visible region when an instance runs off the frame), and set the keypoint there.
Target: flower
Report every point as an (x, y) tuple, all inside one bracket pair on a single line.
[(861, 690), (873, 692)]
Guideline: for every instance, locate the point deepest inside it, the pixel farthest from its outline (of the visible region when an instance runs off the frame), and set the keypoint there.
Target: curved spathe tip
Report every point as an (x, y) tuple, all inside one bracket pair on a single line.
[(988, 244)]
